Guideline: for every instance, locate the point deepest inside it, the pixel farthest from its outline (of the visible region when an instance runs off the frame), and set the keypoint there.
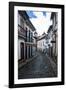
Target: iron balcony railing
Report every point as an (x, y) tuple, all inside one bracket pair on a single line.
[(21, 31)]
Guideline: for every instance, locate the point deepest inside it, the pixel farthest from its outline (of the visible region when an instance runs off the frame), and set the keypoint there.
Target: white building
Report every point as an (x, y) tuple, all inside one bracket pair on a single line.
[(54, 18), (49, 40), (41, 43), (25, 36), (35, 42)]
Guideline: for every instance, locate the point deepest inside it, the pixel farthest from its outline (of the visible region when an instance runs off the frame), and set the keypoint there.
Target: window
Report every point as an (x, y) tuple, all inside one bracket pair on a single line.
[(21, 22), (26, 33), (43, 43), (31, 36)]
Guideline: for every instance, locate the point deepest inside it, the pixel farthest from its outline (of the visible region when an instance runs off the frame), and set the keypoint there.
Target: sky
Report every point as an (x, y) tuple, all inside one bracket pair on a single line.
[(40, 20)]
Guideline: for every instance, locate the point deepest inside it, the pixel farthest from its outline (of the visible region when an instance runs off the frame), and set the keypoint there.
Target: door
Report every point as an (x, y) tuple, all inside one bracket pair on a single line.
[(29, 52), (22, 50), (26, 52)]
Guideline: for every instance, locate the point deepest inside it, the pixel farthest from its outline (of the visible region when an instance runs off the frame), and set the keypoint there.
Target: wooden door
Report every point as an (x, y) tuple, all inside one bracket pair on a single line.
[(22, 50)]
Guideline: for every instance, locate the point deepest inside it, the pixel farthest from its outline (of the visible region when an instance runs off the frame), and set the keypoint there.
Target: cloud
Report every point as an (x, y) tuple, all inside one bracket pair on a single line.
[(31, 14), (42, 22)]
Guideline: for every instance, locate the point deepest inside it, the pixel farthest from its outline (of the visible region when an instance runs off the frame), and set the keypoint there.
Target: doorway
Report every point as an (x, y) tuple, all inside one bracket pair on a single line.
[(22, 50)]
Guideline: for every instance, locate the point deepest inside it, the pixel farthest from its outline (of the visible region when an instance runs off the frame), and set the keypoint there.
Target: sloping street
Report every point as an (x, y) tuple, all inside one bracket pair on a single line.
[(40, 67)]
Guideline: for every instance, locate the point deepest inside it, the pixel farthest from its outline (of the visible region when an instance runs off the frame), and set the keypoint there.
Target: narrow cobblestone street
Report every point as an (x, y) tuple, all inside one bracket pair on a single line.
[(40, 67)]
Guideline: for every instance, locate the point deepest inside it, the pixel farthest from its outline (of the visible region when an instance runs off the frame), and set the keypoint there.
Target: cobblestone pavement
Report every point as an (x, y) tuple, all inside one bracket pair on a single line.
[(40, 67)]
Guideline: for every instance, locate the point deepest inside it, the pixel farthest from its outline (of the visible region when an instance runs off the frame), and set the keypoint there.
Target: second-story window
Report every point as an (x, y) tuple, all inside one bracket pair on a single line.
[(43, 43), (21, 23), (31, 37), (26, 33)]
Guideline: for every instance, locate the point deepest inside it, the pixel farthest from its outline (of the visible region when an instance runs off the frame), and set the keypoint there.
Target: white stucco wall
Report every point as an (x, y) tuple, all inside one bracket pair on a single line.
[(25, 25), (34, 40), (41, 44)]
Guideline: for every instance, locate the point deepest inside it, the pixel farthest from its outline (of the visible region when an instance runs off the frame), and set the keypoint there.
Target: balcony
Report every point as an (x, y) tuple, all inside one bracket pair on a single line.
[(21, 32), (55, 28)]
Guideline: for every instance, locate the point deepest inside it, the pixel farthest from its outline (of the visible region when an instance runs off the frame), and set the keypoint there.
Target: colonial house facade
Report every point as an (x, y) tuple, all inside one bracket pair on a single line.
[(25, 36), (41, 43), (54, 18), (49, 40), (35, 35), (52, 37)]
